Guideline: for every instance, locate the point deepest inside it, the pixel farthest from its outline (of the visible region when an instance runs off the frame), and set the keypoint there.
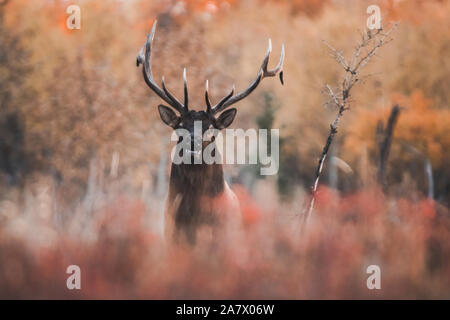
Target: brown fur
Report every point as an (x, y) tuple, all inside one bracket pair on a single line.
[(198, 197)]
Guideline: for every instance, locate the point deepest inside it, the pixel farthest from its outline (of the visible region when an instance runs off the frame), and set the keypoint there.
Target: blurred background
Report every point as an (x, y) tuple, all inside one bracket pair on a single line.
[(84, 157)]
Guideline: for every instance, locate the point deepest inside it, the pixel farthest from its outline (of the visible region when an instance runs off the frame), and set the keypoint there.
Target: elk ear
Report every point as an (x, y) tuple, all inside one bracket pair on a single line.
[(168, 116), (225, 118)]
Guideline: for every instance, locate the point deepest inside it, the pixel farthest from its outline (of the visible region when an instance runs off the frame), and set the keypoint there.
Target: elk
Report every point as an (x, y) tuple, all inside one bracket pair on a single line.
[(198, 193)]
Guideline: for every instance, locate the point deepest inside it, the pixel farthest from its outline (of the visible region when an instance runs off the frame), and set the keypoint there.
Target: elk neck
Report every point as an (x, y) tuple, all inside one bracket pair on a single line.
[(193, 181), (191, 185)]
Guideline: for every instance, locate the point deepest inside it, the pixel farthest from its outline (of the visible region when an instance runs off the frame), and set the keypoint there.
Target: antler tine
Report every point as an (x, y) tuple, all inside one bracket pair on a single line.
[(219, 106), (172, 98), (266, 57), (208, 103), (273, 72), (263, 72), (144, 57), (186, 99)]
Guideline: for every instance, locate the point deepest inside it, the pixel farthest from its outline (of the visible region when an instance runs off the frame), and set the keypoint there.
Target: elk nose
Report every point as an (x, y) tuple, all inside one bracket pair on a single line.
[(197, 143), (196, 149)]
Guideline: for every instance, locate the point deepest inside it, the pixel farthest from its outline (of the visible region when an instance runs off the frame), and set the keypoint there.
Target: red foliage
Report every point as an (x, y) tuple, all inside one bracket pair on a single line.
[(121, 258), (251, 213)]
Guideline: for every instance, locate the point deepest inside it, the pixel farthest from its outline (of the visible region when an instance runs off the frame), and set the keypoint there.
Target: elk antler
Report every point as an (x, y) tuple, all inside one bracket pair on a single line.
[(148, 76), (262, 73)]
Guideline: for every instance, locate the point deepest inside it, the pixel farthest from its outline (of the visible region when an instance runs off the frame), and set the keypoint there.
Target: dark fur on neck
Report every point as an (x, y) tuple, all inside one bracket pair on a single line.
[(194, 182)]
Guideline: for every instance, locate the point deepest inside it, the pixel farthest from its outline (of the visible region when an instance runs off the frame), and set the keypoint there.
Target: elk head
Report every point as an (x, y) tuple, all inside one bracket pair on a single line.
[(209, 119)]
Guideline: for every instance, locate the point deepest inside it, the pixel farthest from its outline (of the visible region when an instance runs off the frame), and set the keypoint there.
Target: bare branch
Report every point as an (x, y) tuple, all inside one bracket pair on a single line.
[(350, 78), (383, 40), (333, 96), (337, 55)]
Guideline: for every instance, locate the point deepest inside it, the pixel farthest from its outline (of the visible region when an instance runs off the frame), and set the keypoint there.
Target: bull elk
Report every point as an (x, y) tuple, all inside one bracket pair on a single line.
[(198, 194)]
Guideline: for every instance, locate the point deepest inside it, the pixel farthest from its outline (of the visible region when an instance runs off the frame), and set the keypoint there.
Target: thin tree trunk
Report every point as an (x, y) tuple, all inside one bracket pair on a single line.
[(385, 145)]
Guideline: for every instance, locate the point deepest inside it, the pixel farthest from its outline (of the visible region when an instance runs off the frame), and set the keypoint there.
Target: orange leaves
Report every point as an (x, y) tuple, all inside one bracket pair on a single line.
[(183, 8), (308, 7), (417, 101), (422, 128), (413, 10)]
